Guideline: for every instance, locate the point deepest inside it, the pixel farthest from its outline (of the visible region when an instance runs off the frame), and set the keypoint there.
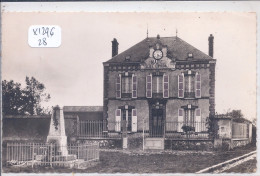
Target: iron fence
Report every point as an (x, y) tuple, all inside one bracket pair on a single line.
[(50, 154), (173, 129), (168, 129), (99, 129)]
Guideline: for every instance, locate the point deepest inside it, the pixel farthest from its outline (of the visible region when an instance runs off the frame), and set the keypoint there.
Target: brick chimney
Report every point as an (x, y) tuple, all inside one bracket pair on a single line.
[(211, 45), (114, 47)]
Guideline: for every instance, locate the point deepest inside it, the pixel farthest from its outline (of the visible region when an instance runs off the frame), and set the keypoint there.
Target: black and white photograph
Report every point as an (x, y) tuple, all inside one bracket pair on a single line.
[(129, 92)]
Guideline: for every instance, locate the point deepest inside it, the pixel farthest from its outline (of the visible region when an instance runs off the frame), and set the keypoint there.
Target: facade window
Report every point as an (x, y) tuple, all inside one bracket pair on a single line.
[(189, 85), (180, 119), (134, 86), (129, 117), (157, 84), (181, 86), (198, 85), (118, 86), (134, 120), (118, 120), (126, 84), (198, 124), (165, 86), (149, 86), (189, 117)]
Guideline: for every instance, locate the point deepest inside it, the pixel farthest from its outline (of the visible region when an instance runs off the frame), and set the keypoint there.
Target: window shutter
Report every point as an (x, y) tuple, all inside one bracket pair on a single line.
[(180, 119), (134, 120), (181, 86), (118, 120), (118, 86), (149, 86), (198, 86), (165, 86), (134, 86), (198, 124)]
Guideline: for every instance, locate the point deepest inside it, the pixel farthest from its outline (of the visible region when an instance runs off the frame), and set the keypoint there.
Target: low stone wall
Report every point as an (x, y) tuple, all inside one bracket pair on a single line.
[(104, 143), (239, 142), (189, 145), (228, 144), (135, 141)]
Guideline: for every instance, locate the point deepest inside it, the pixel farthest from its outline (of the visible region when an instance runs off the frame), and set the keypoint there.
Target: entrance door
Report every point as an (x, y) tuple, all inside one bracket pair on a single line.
[(157, 123)]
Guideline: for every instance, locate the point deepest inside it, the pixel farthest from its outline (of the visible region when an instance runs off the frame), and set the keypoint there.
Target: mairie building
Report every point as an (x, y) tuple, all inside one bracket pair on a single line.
[(159, 85)]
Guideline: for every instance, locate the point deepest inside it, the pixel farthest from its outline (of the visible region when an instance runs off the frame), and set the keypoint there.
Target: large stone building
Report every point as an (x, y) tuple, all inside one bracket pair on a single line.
[(159, 85)]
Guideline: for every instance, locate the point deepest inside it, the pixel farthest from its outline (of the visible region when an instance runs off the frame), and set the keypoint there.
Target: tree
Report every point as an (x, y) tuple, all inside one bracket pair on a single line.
[(13, 98), (24, 101), (212, 127), (235, 114), (35, 95)]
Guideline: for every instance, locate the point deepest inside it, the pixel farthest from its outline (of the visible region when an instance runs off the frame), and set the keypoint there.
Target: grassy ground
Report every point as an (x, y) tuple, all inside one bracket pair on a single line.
[(150, 162)]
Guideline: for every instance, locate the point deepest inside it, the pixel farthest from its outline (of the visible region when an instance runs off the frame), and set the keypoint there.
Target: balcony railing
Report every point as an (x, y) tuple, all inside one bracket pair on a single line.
[(189, 94), (126, 95), (157, 95)]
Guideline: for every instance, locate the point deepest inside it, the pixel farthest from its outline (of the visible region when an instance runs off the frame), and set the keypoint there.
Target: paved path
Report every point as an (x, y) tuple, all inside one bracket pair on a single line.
[(229, 166), (221, 167)]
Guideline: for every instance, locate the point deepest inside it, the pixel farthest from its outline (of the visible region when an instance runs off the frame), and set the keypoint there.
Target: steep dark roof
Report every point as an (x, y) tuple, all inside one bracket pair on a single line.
[(82, 108), (177, 48)]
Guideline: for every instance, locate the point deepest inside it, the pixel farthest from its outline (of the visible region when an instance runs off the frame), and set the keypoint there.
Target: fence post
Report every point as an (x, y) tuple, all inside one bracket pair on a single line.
[(78, 125), (7, 152), (143, 134), (51, 156), (78, 150), (87, 151), (32, 154)]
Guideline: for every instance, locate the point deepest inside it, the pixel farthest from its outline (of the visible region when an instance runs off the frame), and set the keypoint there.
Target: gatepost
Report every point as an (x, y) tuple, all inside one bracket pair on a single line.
[(124, 135)]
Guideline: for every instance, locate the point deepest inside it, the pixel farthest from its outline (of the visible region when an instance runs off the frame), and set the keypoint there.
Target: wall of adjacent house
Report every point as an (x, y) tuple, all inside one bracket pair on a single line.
[(26, 129), (234, 134), (225, 128)]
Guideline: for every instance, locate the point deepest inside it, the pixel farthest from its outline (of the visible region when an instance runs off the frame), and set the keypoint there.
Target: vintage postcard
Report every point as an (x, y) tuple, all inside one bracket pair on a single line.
[(129, 92)]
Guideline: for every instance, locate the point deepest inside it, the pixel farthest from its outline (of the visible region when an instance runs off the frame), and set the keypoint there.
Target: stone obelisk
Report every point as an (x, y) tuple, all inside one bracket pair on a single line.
[(57, 131)]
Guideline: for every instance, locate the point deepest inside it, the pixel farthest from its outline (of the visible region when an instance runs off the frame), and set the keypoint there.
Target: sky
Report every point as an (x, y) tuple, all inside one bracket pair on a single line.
[(73, 72)]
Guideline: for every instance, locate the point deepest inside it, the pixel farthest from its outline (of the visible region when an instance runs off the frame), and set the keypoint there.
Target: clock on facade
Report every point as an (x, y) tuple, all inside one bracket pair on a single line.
[(157, 54)]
